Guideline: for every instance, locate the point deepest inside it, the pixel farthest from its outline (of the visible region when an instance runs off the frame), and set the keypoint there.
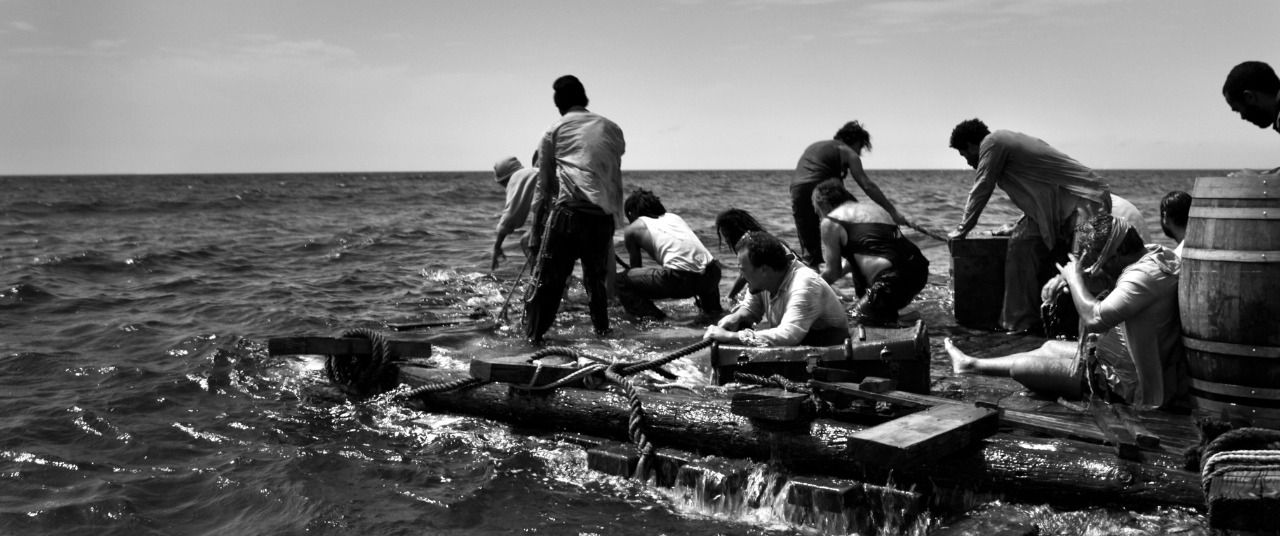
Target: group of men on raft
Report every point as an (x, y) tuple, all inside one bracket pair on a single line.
[(1076, 240)]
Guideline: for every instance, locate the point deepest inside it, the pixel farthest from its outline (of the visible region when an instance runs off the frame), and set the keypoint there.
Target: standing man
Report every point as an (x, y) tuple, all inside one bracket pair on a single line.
[(800, 308), (831, 159), (1253, 91), (1175, 207), (521, 184), (580, 178), (685, 267), (1054, 192)]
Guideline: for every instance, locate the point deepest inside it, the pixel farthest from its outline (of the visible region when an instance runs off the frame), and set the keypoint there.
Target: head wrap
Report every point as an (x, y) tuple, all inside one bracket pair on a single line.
[(1119, 228)]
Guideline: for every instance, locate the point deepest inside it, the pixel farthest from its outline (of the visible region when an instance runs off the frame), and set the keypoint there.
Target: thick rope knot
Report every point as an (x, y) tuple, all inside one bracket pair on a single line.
[(364, 375)]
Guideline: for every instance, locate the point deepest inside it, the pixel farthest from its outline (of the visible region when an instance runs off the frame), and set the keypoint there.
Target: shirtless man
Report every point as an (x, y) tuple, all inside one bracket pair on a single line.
[(861, 239)]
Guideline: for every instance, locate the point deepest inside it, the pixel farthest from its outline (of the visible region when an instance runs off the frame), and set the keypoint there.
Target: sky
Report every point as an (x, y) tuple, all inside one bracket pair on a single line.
[(176, 86)]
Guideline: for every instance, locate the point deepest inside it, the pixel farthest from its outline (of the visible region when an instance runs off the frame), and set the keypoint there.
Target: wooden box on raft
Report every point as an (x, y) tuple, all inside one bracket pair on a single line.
[(977, 278), (899, 353)]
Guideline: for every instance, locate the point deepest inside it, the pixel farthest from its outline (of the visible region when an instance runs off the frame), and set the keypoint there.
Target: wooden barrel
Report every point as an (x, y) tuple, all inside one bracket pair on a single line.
[(1229, 298), (977, 279)]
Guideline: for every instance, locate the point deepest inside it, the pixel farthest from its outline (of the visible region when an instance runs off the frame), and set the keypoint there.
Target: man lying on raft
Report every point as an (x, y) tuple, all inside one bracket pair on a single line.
[(1137, 352), (862, 239), (801, 307)]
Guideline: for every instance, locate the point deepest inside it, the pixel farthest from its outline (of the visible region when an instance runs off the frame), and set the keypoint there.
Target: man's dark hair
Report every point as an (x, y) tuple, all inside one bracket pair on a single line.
[(854, 135), (831, 193), (968, 131), (764, 249), (1250, 76), (569, 93), (643, 202), (1175, 206), (733, 223)]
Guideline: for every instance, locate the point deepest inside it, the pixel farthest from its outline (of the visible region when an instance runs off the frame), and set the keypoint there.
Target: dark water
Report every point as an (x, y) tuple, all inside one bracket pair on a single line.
[(137, 396)]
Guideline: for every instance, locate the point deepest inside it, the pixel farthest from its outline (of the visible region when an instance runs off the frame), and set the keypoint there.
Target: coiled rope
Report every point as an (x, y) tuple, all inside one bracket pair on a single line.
[(363, 375), (1236, 450)]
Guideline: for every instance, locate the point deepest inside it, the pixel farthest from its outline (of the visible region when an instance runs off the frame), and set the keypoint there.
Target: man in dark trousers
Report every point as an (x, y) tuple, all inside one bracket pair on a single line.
[(581, 177)]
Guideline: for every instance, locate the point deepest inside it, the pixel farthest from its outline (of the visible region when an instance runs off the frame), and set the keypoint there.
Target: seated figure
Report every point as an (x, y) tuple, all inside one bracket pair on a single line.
[(1133, 351), (863, 240), (685, 267), (801, 308)]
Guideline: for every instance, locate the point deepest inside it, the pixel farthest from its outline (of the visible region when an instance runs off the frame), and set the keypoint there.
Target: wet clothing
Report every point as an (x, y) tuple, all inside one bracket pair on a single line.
[(521, 188), (821, 161), (1141, 315), (1123, 209), (687, 270), (570, 235), (588, 151), (804, 311), (584, 201), (1054, 192), (894, 287)]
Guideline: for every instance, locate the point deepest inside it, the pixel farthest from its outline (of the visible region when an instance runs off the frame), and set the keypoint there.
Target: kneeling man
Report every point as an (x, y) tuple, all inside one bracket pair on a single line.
[(800, 307), (687, 268)]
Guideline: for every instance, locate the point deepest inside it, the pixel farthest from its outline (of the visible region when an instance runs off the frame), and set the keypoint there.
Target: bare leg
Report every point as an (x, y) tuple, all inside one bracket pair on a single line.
[(962, 363)]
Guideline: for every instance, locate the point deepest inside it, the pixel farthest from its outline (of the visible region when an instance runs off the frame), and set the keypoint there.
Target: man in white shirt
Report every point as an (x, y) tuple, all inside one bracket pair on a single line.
[(799, 306), (686, 268)]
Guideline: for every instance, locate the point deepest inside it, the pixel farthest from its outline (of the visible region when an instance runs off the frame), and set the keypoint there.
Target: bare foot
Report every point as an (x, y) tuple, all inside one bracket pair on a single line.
[(961, 363)]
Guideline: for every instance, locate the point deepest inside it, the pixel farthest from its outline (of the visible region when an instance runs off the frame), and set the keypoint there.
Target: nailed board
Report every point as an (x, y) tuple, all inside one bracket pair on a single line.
[(925, 435)]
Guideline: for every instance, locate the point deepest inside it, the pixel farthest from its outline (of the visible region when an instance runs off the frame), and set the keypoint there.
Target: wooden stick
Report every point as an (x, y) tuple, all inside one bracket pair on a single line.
[(503, 314)]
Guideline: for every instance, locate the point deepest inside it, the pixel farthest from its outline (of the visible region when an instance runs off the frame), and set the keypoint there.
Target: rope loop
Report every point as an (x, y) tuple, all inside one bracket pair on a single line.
[(362, 376)]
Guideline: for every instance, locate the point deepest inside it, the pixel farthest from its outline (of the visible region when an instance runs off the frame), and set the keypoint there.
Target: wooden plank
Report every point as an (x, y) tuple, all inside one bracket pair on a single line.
[(1020, 419), (1117, 435), (1145, 438), (356, 346), (768, 404), (520, 370), (926, 435), (873, 384)]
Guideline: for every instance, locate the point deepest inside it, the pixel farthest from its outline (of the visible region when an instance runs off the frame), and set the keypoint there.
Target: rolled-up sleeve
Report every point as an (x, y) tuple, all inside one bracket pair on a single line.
[(991, 159)]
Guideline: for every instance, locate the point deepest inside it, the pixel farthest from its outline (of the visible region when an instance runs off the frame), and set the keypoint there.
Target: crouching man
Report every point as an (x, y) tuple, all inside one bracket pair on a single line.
[(686, 268)]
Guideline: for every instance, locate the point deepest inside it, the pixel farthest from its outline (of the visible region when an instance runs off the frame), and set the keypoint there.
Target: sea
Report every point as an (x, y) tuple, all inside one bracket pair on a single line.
[(138, 396)]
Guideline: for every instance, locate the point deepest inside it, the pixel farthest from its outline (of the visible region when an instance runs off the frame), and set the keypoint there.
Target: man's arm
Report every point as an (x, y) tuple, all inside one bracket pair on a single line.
[(872, 190), (547, 189), (832, 236), (633, 237), (990, 166)]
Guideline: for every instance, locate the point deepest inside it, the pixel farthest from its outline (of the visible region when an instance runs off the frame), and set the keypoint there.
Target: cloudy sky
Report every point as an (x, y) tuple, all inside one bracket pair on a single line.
[(173, 86)]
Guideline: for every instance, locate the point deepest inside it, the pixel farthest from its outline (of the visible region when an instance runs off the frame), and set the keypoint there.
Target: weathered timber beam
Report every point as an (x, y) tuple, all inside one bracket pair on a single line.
[(1038, 468)]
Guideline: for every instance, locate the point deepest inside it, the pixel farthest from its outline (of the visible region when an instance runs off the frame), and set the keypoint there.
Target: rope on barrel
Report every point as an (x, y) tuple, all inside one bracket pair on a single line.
[(363, 375)]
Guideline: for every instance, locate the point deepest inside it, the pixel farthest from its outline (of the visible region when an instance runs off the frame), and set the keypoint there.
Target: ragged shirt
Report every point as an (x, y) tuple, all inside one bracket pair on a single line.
[(1046, 184), (588, 152)]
